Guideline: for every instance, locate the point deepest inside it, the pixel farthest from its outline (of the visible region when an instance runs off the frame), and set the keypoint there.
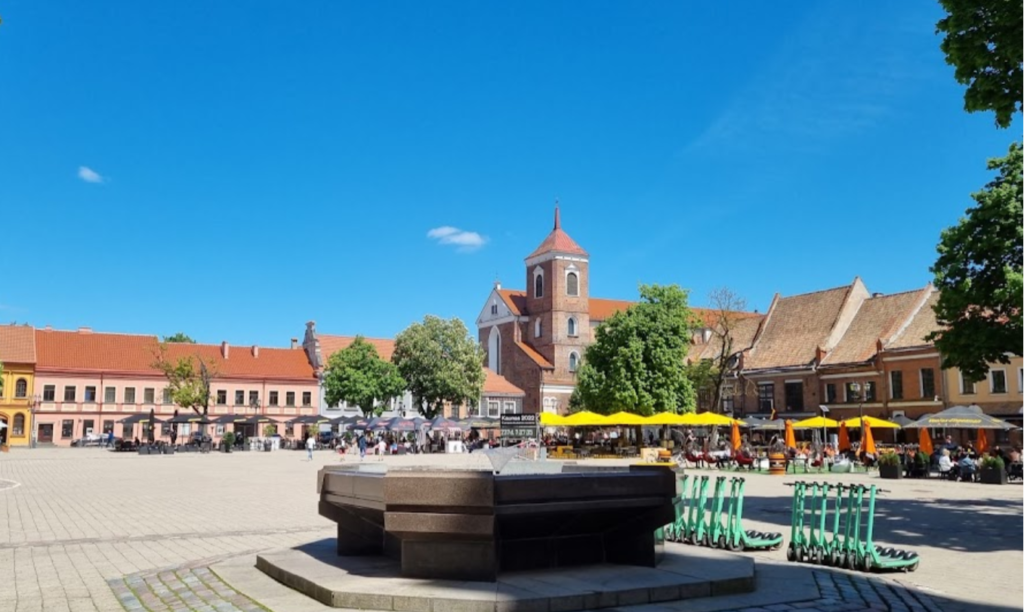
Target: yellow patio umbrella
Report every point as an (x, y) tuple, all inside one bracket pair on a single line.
[(873, 422), (626, 418), (550, 419), (585, 419), (790, 437), (867, 441), (708, 419), (666, 418), (737, 441), (925, 441), (815, 423)]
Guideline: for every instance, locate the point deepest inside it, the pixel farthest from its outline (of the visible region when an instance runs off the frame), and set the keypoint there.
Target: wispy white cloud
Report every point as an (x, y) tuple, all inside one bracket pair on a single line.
[(89, 175), (462, 240)]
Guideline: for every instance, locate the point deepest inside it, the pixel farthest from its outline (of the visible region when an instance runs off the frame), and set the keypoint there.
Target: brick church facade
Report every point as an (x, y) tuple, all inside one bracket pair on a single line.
[(536, 338)]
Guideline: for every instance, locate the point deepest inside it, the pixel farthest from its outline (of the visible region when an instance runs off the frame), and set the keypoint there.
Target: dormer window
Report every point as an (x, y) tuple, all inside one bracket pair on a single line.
[(573, 332), (572, 284), (538, 328), (538, 285)]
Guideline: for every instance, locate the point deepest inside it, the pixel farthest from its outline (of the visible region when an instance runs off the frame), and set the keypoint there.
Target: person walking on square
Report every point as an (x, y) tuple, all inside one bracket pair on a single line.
[(309, 447), (382, 448), (362, 446)]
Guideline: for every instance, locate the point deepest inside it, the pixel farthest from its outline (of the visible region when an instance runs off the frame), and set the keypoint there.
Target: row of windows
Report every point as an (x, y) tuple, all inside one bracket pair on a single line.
[(572, 284), (571, 326), (997, 383), (20, 389), (149, 396)]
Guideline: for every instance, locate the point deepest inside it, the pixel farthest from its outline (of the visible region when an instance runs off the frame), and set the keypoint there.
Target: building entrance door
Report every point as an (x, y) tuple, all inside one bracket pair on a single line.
[(45, 433)]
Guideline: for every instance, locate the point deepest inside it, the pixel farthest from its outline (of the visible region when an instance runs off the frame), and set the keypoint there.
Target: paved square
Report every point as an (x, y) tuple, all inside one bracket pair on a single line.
[(86, 529)]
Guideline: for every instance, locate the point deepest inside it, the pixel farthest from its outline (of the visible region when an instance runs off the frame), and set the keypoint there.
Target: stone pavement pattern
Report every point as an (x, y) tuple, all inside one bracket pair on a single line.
[(81, 527)]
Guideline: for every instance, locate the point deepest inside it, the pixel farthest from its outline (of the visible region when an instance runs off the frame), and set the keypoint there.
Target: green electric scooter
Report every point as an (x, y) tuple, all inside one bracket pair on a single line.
[(676, 530), (716, 527), (737, 538), (851, 540), (797, 542), (819, 510), (873, 557), (695, 514), (834, 544)]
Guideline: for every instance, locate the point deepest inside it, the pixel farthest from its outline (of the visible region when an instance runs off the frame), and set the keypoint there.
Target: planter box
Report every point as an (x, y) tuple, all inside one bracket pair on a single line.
[(892, 472), (168, 450), (992, 476)]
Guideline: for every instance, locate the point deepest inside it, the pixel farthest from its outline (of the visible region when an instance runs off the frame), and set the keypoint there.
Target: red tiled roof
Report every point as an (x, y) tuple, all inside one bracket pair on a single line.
[(332, 344), (601, 309), (514, 299), (795, 327), (558, 241), (743, 331), (877, 319), (94, 352), (17, 344), (922, 324), (498, 384), (535, 356)]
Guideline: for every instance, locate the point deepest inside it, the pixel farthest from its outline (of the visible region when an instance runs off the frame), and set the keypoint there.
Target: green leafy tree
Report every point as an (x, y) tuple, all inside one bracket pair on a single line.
[(180, 337), (983, 42), (358, 376), (188, 379), (637, 362), (979, 275), (441, 362)]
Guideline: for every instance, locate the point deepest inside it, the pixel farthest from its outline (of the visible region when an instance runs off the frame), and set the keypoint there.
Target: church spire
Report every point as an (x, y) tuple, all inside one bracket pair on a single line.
[(558, 222)]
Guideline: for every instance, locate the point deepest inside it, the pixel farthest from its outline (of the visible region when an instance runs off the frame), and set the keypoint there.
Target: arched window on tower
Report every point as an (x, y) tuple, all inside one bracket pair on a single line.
[(572, 284), (574, 361), (538, 329), (21, 388), (573, 332), (494, 350), (538, 285)]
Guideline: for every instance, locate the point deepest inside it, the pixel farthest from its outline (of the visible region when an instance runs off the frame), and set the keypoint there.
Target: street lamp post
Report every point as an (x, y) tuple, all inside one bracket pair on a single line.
[(33, 434)]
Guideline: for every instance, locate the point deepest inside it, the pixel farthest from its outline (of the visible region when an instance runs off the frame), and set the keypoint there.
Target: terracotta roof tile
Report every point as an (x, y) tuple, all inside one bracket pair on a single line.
[(535, 356), (923, 323), (514, 299), (743, 331), (601, 309), (94, 352), (17, 344), (498, 384), (558, 241), (795, 327), (877, 319), (332, 344)]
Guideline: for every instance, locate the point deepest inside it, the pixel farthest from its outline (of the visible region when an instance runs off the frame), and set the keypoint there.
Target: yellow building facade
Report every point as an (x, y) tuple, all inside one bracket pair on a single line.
[(18, 356)]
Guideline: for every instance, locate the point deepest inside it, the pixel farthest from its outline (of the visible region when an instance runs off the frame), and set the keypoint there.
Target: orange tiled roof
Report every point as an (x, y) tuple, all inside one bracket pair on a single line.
[(922, 324), (795, 327), (558, 241), (601, 309), (535, 356), (96, 352), (17, 344), (332, 344), (514, 299), (498, 384), (743, 331), (877, 319)]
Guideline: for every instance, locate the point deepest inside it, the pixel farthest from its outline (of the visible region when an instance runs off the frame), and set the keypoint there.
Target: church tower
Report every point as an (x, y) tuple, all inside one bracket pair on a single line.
[(557, 300)]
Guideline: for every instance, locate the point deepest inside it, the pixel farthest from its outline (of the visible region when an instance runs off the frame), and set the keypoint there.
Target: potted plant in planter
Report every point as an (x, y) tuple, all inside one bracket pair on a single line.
[(227, 441), (993, 471), (922, 465), (889, 465)]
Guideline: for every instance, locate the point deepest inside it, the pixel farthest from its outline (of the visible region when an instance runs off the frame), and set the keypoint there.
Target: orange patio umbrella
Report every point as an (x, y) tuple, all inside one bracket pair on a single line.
[(982, 441), (844, 437), (790, 436), (737, 441), (867, 442), (925, 441)]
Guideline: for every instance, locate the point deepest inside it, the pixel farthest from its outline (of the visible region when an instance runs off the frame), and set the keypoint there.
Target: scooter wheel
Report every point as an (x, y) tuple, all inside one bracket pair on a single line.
[(723, 543), (845, 561), (736, 545), (775, 546), (801, 553), (826, 559), (791, 552), (867, 563), (705, 540), (913, 568), (817, 557)]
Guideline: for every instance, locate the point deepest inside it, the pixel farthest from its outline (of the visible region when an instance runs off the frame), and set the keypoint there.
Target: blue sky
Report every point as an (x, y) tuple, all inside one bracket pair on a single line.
[(234, 170)]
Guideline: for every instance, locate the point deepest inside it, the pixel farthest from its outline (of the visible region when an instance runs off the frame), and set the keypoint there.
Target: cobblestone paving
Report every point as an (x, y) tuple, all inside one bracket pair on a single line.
[(851, 593), (194, 589)]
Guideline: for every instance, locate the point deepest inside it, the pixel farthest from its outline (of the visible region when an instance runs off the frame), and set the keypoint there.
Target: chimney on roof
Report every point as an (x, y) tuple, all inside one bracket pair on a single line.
[(877, 294), (85, 330), (295, 343), (224, 349), (255, 351)]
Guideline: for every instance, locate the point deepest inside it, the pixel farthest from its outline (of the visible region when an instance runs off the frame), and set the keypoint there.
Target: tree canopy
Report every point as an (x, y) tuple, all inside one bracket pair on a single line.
[(188, 379), (179, 337), (358, 376), (983, 42), (979, 275), (637, 362), (441, 363)]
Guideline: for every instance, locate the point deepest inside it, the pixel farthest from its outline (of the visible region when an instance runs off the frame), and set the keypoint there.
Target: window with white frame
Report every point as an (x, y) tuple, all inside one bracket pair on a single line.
[(572, 284), (550, 404), (574, 361), (573, 329), (538, 328), (21, 388), (509, 408), (766, 397), (493, 408), (997, 380), (967, 387), (538, 283)]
